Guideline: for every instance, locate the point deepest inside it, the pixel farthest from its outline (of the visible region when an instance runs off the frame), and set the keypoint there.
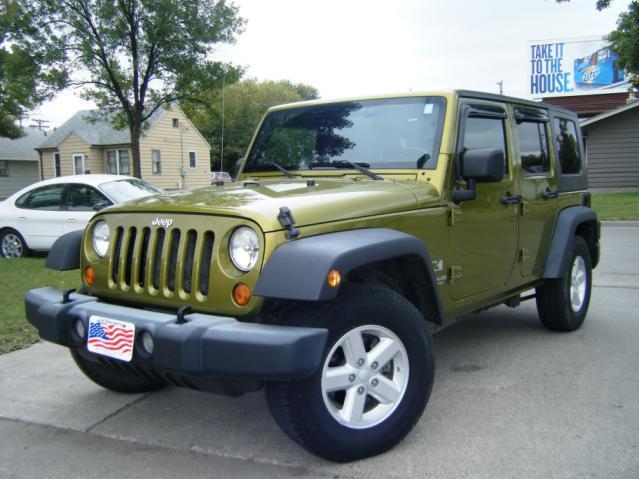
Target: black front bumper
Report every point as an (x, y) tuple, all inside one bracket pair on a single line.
[(204, 346)]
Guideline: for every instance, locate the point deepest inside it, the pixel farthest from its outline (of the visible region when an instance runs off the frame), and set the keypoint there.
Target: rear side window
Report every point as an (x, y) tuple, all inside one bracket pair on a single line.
[(45, 198), (533, 147), (569, 156), (485, 134)]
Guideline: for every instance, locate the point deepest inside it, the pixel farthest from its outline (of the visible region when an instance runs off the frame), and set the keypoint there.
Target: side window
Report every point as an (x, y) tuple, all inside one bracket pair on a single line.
[(569, 156), (533, 147), (83, 198), (485, 133), (45, 198)]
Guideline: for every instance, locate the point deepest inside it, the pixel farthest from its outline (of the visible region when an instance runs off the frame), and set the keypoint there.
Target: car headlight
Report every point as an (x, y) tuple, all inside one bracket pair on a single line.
[(244, 248), (100, 238)]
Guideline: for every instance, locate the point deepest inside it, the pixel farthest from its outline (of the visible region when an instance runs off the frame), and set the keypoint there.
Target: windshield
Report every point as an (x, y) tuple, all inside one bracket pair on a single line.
[(389, 133), (129, 189)]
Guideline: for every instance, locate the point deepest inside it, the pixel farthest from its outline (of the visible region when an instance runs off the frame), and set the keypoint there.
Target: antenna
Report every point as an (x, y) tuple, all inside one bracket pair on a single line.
[(39, 124), (501, 87)]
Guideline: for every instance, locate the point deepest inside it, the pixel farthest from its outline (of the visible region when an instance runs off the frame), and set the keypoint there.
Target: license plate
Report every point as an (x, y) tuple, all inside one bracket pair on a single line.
[(111, 337)]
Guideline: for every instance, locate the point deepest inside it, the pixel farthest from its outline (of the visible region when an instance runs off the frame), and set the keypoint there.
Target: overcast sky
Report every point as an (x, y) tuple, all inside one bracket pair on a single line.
[(355, 47)]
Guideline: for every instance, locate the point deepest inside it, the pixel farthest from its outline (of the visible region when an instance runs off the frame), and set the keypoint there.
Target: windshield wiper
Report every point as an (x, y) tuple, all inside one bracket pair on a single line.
[(363, 167), (282, 169)]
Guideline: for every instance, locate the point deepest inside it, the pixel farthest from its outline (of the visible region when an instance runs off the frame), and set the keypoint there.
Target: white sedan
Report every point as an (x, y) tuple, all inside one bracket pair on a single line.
[(34, 217)]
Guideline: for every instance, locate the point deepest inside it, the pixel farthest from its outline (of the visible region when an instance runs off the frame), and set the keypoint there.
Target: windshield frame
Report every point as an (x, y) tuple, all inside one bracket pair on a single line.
[(430, 164)]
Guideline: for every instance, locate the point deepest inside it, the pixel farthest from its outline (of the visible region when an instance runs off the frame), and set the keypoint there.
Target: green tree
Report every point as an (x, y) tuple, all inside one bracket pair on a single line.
[(624, 41), (30, 72), (244, 105), (134, 56)]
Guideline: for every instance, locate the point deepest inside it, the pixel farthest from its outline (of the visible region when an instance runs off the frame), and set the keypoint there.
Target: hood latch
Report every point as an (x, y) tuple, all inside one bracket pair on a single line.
[(288, 223)]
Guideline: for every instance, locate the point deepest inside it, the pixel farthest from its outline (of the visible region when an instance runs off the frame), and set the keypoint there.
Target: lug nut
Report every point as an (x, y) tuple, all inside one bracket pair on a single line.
[(374, 365), (351, 378), (360, 390), (374, 382), (360, 362)]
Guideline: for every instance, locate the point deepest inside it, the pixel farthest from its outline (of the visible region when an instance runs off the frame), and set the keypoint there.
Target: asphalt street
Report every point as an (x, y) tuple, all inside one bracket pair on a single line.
[(510, 400)]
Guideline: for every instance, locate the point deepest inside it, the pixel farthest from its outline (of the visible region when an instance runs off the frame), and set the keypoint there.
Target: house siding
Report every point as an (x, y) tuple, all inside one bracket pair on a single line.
[(21, 174), (174, 145), (613, 151)]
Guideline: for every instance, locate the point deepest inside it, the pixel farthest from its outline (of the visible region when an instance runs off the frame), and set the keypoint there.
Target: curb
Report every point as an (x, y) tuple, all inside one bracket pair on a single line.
[(617, 224)]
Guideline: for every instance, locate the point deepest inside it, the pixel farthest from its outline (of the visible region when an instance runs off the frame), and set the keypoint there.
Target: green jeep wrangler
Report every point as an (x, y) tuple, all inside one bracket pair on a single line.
[(354, 228)]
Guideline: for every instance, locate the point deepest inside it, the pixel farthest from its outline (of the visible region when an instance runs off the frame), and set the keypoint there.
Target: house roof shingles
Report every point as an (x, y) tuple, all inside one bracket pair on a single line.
[(94, 129), (22, 149)]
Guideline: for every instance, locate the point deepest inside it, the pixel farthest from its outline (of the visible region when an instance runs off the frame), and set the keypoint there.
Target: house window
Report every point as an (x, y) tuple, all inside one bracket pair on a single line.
[(78, 164), (57, 167), (176, 123), (4, 168), (156, 164), (192, 159), (117, 162)]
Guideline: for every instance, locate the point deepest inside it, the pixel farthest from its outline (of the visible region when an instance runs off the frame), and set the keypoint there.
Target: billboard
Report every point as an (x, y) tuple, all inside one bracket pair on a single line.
[(572, 66)]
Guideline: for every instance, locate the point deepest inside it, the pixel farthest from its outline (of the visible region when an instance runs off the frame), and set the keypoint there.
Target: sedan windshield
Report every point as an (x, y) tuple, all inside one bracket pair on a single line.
[(389, 133), (129, 189)]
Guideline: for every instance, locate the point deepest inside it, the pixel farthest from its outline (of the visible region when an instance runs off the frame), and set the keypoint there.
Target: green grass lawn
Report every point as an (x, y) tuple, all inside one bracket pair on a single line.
[(17, 276), (616, 206)]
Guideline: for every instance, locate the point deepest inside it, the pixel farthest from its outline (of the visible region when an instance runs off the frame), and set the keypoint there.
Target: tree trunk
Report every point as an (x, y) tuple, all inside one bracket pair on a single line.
[(135, 149)]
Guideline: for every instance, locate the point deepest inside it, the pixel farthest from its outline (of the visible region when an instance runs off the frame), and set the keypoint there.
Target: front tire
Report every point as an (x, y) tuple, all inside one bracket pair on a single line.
[(115, 380), (562, 303), (374, 382), (12, 244)]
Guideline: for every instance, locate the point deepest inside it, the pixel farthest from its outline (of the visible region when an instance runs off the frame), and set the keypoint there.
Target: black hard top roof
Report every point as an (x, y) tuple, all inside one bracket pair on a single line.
[(510, 99)]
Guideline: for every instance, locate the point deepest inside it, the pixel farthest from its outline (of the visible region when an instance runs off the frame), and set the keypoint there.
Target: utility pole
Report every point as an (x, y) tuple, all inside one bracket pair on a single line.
[(22, 116), (222, 146), (501, 87), (39, 124)]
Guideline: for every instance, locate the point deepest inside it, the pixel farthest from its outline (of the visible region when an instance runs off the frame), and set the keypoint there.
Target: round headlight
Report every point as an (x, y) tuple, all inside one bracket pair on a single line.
[(244, 248), (101, 237)]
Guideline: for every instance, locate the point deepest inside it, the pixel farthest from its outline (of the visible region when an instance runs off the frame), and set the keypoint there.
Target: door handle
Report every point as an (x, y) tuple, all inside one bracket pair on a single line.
[(71, 220), (511, 200), (550, 194), (22, 218)]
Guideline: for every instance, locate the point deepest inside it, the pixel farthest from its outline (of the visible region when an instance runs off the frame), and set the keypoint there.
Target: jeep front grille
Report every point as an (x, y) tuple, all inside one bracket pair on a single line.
[(160, 261)]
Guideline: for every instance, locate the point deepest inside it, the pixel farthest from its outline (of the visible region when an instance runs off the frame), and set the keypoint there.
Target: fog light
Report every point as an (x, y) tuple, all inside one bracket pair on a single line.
[(89, 275), (79, 329), (334, 278), (147, 343), (242, 294)]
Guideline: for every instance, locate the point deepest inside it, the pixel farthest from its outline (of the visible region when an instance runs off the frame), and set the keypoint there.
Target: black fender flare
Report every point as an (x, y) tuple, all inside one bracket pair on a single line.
[(64, 255), (568, 221), (298, 270)]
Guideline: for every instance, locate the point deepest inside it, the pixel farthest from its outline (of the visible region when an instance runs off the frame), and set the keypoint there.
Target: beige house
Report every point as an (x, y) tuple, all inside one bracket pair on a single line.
[(173, 153)]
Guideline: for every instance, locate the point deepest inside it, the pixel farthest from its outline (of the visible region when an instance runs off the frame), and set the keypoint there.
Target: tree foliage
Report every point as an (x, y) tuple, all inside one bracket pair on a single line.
[(624, 41), (30, 70), (244, 105), (134, 56)]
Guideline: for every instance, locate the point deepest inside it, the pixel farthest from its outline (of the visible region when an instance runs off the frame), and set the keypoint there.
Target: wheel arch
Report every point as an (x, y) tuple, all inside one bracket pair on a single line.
[(5, 229), (572, 221), (298, 270)]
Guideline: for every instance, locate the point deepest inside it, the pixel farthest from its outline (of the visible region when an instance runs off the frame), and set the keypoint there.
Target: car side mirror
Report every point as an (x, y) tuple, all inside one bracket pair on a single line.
[(479, 166)]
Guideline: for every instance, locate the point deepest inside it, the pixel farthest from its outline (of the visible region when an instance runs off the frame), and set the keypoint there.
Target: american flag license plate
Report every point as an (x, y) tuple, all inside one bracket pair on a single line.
[(111, 337)]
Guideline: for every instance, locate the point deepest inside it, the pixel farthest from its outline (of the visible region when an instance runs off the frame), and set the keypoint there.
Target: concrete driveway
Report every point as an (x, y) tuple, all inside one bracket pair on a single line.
[(510, 400)]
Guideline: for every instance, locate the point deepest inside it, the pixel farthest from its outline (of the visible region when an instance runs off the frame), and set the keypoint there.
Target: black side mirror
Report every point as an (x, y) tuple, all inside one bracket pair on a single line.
[(100, 205), (479, 166)]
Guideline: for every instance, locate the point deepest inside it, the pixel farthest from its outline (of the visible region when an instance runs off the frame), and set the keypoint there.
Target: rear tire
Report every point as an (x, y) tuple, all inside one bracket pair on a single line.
[(12, 244), (563, 302), (115, 380), (374, 380)]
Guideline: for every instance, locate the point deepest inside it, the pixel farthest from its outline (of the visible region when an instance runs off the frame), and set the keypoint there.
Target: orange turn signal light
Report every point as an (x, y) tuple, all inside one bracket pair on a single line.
[(334, 278), (89, 275), (242, 294)]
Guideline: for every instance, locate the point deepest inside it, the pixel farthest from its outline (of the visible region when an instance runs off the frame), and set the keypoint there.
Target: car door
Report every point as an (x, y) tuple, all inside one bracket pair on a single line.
[(483, 231), (537, 186), (39, 216), (80, 203)]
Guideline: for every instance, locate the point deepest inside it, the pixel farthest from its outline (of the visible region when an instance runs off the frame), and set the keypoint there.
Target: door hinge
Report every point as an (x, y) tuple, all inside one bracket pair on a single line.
[(524, 208), (454, 273), (523, 255), (451, 217)]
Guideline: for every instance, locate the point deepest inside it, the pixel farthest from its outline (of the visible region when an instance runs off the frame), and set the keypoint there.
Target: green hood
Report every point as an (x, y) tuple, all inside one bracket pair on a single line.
[(329, 200)]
